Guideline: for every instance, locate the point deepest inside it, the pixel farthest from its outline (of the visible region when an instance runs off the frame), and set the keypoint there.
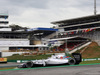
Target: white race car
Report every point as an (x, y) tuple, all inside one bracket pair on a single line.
[(54, 60)]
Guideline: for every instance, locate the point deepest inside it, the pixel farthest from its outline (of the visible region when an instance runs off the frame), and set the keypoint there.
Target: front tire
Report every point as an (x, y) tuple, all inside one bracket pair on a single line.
[(72, 61), (29, 64)]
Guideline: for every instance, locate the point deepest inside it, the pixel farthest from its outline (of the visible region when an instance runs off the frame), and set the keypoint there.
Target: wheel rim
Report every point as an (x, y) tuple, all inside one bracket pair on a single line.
[(72, 62)]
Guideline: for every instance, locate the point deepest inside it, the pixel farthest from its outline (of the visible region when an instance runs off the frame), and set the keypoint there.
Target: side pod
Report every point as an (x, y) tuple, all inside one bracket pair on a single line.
[(77, 57)]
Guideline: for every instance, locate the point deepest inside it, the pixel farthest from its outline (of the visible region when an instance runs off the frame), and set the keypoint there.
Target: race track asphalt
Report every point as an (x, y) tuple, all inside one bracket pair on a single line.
[(9, 64), (69, 70)]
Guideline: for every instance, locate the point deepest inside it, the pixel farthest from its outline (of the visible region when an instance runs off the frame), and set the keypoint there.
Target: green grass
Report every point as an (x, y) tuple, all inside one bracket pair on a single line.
[(22, 57), (90, 52), (90, 62)]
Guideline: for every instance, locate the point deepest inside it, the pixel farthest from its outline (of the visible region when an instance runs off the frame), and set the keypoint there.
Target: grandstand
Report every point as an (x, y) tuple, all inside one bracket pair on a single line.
[(84, 27), (19, 41), (40, 35), (25, 40), (69, 44)]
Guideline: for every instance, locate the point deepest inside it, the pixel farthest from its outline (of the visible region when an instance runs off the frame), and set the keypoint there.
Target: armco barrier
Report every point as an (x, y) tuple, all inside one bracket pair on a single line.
[(12, 61), (91, 59), (23, 61), (19, 61)]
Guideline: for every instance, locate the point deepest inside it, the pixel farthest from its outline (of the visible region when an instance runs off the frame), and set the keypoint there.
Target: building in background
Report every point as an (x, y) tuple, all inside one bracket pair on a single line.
[(69, 34), (4, 22), (19, 41), (73, 34), (87, 27)]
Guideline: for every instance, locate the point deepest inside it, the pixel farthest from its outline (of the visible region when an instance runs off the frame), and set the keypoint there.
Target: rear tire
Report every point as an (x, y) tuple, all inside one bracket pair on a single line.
[(72, 61), (29, 64)]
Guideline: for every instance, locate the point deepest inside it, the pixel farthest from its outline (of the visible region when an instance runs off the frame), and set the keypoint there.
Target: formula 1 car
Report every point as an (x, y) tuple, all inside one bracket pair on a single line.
[(54, 60)]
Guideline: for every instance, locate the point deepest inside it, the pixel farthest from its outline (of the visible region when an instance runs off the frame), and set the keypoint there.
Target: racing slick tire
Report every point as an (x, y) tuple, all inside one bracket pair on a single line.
[(29, 64), (22, 66), (72, 61)]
